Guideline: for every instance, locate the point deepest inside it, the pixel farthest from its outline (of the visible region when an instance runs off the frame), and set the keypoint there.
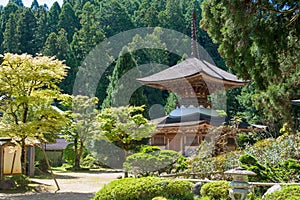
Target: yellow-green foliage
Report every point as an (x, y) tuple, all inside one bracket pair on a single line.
[(145, 189), (159, 198), (216, 190), (286, 193)]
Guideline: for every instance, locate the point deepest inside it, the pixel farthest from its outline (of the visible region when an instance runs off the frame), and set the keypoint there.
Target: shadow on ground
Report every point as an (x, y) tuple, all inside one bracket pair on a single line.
[(50, 196)]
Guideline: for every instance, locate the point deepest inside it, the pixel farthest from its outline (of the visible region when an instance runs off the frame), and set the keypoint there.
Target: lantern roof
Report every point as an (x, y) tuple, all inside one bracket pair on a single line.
[(240, 171)]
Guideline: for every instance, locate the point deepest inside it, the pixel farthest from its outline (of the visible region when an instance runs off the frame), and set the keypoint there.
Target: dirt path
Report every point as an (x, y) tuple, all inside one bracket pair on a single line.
[(73, 186)]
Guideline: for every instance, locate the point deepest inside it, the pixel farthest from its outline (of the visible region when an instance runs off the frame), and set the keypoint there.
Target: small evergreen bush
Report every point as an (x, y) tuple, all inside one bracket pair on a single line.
[(216, 190), (152, 160), (286, 193), (145, 188)]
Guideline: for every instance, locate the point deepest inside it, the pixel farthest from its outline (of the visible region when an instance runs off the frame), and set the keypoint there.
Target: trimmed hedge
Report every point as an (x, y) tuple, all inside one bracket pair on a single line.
[(145, 189), (216, 190), (286, 193)]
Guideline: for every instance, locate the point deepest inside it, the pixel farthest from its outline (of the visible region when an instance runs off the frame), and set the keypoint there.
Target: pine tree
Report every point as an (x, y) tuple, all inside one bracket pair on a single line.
[(53, 17), (57, 45), (42, 29), (114, 18), (50, 47), (26, 28), (121, 83), (68, 21), (62, 46), (148, 13), (10, 38), (172, 17), (35, 5), (90, 33), (18, 2), (7, 10), (155, 53)]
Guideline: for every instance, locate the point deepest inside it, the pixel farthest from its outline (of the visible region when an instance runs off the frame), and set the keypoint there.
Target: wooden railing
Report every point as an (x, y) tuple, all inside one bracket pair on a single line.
[(180, 175)]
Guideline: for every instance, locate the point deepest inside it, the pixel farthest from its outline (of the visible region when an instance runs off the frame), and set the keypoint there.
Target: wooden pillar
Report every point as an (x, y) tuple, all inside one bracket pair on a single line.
[(1, 162), (168, 144), (31, 156), (183, 142)]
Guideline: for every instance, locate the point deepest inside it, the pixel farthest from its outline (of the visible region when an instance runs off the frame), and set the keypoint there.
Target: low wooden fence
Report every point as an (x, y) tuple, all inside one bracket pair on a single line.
[(181, 175)]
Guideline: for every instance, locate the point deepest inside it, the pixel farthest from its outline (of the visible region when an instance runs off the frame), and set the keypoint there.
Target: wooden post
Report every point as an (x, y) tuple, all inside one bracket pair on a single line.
[(13, 162), (1, 162), (31, 161), (48, 164), (182, 143)]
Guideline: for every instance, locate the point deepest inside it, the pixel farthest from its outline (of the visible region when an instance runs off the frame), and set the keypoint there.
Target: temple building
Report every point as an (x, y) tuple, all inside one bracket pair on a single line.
[(193, 80)]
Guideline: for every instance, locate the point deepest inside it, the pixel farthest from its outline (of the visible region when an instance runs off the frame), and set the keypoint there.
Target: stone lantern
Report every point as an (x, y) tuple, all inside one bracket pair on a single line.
[(239, 185)]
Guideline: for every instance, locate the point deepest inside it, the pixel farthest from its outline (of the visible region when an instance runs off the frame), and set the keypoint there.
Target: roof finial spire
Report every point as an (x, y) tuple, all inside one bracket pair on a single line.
[(194, 37)]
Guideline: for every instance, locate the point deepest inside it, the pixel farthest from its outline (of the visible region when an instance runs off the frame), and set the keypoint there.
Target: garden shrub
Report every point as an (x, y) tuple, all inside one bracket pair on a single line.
[(22, 181), (245, 139), (286, 193), (275, 151), (286, 171), (152, 160), (145, 189), (150, 149), (204, 164), (216, 190), (269, 154)]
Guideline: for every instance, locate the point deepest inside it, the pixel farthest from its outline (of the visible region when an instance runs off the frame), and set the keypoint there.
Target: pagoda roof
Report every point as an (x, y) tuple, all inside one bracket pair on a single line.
[(181, 117), (190, 68)]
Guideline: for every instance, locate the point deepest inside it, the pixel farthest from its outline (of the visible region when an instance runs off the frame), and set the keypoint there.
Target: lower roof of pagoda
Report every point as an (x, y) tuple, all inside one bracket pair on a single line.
[(189, 116), (193, 73)]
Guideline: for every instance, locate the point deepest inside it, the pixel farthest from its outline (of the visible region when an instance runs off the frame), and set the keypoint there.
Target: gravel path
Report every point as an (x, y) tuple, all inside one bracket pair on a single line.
[(73, 186)]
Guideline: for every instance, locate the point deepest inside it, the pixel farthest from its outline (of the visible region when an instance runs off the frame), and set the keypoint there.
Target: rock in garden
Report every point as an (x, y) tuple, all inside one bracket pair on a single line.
[(7, 184), (196, 188), (272, 189)]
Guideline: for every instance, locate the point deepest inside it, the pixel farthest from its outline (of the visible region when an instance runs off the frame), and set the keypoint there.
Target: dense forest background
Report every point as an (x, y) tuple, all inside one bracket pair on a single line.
[(72, 30)]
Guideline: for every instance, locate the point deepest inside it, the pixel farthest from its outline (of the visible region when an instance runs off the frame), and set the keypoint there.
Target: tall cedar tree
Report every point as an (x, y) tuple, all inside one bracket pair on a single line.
[(10, 38), (18, 2), (42, 29), (89, 35), (26, 30), (53, 17), (154, 58), (50, 46), (172, 17), (113, 11), (68, 21), (123, 79)]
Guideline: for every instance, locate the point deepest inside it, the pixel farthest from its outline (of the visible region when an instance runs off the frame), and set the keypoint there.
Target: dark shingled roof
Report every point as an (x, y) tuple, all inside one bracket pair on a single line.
[(60, 144), (189, 67)]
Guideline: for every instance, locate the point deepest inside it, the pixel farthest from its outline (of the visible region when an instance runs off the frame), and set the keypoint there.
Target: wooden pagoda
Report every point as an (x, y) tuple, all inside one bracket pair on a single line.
[(193, 80)]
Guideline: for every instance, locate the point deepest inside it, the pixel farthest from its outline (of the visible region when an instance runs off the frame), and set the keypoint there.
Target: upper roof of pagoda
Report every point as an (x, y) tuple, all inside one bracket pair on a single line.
[(193, 70)]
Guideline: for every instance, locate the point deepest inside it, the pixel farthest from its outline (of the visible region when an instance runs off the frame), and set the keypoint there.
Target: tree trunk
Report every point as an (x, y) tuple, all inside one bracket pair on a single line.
[(23, 156), (77, 156), (125, 172), (80, 152)]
